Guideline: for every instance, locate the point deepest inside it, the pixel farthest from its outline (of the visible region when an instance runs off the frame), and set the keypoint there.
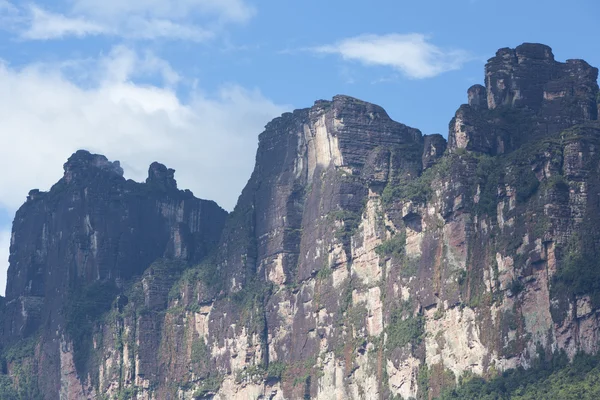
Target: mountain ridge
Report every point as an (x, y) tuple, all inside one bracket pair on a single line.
[(362, 260)]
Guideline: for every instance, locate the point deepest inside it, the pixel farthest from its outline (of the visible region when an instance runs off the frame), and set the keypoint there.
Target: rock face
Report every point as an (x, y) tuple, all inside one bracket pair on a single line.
[(363, 260), (528, 95), (95, 226)]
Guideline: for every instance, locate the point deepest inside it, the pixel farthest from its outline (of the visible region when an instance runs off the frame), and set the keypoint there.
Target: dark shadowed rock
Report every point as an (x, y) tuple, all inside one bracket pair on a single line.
[(515, 77), (477, 95), (95, 226), (529, 95), (83, 164), (161, 177), (434, 148)]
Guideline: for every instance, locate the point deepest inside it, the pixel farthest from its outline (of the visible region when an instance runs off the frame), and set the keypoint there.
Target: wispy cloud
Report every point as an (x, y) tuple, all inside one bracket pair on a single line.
[(48, 25), (140, 28), (10, 16), (7, 7), (192, 20), (411, 54), (224, 10)]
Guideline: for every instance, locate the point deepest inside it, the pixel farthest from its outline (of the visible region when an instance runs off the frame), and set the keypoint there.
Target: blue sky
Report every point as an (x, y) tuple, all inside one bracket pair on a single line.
[(191, 83)]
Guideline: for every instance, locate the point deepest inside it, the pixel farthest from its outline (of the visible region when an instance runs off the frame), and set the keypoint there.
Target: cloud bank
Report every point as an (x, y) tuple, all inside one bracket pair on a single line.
[(210, 139), (192, 20)]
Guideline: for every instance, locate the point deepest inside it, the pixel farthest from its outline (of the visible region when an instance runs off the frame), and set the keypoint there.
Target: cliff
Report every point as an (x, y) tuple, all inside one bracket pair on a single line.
[(75, 248), (363, 260)]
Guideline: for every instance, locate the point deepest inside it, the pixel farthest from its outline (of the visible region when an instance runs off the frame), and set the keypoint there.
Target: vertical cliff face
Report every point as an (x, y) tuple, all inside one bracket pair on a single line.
[(94, 229), (363, 260), (310, 164), (307, 198)]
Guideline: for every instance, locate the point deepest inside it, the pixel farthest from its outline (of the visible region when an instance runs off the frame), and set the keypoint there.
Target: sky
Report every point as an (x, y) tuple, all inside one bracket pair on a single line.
[(191, 83)]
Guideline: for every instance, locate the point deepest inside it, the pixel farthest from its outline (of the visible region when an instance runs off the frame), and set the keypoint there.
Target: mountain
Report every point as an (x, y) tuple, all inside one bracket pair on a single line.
[(363, 260)]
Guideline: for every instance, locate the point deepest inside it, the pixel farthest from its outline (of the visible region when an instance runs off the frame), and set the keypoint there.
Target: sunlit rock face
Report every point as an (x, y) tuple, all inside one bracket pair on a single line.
[(364, 260)]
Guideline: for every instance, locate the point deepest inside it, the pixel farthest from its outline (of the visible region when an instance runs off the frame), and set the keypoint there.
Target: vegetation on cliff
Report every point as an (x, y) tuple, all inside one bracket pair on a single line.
[(555, 380)]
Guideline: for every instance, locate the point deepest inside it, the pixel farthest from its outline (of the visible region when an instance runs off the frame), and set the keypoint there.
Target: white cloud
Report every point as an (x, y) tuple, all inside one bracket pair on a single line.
[(4, 247), (224, 10), (210, 140), (410, 54), (148, 29), (194, 20), (123, 63), (47, 25)]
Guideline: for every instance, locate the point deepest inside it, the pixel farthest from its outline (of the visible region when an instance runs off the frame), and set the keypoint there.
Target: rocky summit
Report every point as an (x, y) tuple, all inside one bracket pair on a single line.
[(363, 260)]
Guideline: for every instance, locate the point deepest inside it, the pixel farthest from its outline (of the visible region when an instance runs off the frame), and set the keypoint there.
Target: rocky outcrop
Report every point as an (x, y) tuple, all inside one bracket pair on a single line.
[(94, 226), (528, 95), (434, 147), (363, 260), (529, 77)]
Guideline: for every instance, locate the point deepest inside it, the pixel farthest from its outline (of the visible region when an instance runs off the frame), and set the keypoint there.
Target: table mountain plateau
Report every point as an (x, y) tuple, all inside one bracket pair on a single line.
[(364, 260)]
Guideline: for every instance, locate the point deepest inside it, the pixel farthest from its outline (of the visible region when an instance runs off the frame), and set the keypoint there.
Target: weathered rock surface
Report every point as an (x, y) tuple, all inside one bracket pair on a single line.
[(527, 95), (363, 260), (95, 226)]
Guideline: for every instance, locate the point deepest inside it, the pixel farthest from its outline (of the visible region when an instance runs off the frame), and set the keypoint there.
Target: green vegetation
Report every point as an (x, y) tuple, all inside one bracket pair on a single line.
[(516, 286), (461, 277), (526, 183), (410, 267), (276, 370), (253, 373), (579, 270), (209, 385), (205, 272), (439, 313), (7, 390), (558, 182), (423, 383), (324, 273), (393, 246), (555, 380), (493, 171), (200, 353), (23, 383), (258, 373), (488, 176), (402, 331), (85, 306), (251, 301), (21, 350), (346, 297), (417, 189), (406, 184), (473, 171), (357, 315), (350, 220), (128, 393)]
